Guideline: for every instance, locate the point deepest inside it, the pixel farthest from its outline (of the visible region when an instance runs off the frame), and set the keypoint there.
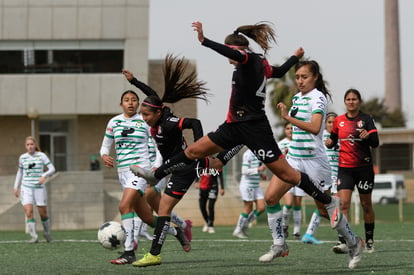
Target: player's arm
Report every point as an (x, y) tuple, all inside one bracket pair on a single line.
[(194, 124)]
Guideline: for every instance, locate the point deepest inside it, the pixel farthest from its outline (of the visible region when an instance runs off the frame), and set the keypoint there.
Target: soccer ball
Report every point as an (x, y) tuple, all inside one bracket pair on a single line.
[(111, 235)]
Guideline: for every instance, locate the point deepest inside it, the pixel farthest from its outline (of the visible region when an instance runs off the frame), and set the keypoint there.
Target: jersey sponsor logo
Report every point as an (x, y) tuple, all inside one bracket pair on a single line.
[(174, 119), (127, 131), (341, 124)]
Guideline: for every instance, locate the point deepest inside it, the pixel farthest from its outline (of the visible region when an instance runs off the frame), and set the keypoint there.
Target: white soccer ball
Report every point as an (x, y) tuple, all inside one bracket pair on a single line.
[(111, 235)]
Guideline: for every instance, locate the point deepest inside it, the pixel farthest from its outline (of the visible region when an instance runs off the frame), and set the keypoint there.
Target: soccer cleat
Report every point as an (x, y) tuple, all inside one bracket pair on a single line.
[(47, 237), (148, 260), (125, 258), (239, 234), (355, 253), (340, 248), (34, 240), (369, 246), (185, 244), (274, 252), (296, 236), (334, 211), (187, 230), (205, 228), (211, 230), (147, 174), (308, 238), (285, 231)]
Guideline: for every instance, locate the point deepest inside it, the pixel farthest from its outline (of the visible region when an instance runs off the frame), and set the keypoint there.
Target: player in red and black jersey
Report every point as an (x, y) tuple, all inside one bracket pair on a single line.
[(166, 129), (357, 135)]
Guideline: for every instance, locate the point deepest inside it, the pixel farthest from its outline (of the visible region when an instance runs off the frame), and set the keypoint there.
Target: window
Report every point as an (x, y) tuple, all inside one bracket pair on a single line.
[(382, 185)]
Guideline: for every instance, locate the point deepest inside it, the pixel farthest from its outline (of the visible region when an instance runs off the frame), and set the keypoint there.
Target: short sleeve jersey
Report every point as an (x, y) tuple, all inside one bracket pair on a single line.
[(304, 144), (131, 141), (32, 166), (250, 161), (353, 151)]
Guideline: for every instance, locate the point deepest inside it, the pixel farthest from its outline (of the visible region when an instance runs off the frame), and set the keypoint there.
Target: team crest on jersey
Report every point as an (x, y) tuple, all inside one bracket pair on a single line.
[(139, 123), (361, 124)]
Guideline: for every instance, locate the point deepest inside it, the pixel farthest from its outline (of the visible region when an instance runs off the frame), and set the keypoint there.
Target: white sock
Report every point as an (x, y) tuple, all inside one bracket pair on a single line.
[(314, 223), (128, 224), (345, 230), (32, 229), (275, 225), (241, 223), (137, 227), (286, 215), (297, 220), (178, 220), (172, 231)]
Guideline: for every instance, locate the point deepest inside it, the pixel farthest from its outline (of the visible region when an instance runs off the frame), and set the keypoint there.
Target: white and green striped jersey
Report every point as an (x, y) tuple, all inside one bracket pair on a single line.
[(333, 155), (250, 175), (283, 144), (31, 169), (305, 145), (131, 137)]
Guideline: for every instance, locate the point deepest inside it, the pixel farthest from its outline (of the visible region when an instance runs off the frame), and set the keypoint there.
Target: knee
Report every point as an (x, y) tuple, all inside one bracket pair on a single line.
[(345, 205)]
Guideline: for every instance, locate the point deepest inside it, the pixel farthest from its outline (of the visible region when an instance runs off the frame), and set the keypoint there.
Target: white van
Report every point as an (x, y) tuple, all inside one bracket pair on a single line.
[(387, 188)]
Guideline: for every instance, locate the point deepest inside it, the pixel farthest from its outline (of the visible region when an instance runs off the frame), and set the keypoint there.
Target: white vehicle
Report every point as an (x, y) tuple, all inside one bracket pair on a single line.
[(388, 188)]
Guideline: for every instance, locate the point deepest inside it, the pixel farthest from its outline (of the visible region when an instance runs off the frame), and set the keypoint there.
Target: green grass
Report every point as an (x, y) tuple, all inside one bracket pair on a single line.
[(78, 252)]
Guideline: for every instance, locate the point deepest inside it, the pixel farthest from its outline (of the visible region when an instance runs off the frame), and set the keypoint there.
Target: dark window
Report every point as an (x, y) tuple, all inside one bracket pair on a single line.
[(61, 61), (382, 185)]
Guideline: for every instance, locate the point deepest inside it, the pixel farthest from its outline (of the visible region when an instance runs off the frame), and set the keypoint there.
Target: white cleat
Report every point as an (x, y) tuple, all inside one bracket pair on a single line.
[(147, 174), (340, 248), (274, 252), (239, 234), (355, 253)]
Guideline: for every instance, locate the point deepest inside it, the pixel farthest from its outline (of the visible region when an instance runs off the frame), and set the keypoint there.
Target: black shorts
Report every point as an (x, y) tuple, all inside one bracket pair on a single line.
[(181, 181), (361, 177), (257, 135)]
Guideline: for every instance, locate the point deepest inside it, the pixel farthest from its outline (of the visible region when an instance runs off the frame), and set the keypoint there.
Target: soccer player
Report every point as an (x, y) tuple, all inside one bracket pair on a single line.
[(32, 178), (166, 128), (252, 172), (357, 135)]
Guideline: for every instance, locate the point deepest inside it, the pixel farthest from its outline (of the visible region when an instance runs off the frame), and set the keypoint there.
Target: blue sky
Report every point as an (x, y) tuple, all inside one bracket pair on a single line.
[(345, 37)]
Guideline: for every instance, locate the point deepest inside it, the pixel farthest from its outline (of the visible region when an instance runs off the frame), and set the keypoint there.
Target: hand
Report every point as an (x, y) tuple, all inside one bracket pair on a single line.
[(328, 142), (198, 27), (128, 75), (16, 193), (261, 168), (42, 180), (363, 134), (108, 161), (222, 192), (299, 53), (283, 110)]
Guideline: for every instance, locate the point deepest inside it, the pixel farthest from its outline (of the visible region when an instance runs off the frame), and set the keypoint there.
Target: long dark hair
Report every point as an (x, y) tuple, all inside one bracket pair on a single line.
[(262, 33), (315, 70), (180, 81)]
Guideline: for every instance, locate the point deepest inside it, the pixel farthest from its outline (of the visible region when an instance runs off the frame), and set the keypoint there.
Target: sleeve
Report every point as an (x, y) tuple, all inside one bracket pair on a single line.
[(19, 176), (334, 133), (158, 156), (147, 90), (278, 72), (107, 140), (226, 51), (194, 124), (246, 169), (50, 167), (373, 138)]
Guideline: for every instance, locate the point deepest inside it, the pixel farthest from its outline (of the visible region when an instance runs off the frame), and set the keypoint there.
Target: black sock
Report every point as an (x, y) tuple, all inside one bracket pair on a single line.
[(225, 156), (160, 234), (369, 231), (177, 162), (307, 185)]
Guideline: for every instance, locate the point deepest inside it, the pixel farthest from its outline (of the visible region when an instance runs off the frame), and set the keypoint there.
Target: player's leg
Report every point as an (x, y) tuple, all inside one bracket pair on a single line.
[(40, 197)]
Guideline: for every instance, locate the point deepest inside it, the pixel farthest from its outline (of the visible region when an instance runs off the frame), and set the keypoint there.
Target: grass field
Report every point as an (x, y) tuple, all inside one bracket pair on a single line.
[(78, 252)]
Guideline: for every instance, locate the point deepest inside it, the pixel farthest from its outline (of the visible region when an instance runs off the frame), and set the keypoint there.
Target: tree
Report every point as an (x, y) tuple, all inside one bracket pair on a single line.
[(376, 108)]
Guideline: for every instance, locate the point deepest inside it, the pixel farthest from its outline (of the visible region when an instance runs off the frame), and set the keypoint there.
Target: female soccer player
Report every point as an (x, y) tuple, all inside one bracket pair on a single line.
[(252, 172), (32, 178), (167, 129), (357, 135), (131, 136), (246, 122)]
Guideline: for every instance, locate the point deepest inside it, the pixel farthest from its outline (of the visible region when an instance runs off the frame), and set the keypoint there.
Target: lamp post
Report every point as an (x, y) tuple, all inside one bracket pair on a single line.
[(32, 114)]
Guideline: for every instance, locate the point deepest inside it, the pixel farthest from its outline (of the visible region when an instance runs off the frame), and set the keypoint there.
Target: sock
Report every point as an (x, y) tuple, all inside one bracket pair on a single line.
[(341, 239), (297, 219), (274, 220), (241, 222), (137, 226), (177, 162), (31, 224), (369, 231), (344, 229), (286, 214), (309, 187), (128, 224), (314, 222), (160, 234), (227, 155), (46, 225), (178, 220), (252, 217)]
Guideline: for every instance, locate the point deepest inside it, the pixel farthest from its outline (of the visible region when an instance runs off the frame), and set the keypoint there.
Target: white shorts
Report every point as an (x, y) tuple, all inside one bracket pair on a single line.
[(36, 196), (296, 191), (249, 193), (317, 169), (129, 180)]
